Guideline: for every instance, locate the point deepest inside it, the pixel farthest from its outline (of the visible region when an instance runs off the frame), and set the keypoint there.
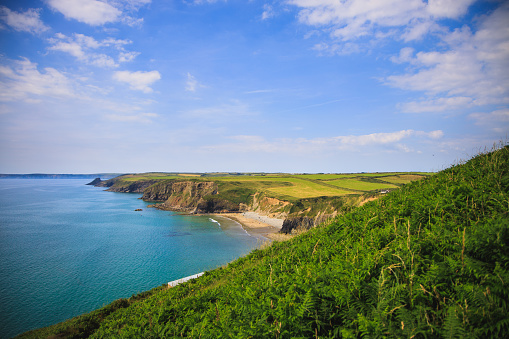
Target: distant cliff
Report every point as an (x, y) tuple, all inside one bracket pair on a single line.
[(123, 185), (95, 182)]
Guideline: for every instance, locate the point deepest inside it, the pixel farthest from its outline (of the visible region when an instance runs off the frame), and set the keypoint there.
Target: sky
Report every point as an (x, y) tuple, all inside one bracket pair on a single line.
[(295, 86)]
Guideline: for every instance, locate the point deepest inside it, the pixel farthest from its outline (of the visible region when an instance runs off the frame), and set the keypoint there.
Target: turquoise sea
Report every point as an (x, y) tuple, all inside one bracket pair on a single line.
[(67, 248)]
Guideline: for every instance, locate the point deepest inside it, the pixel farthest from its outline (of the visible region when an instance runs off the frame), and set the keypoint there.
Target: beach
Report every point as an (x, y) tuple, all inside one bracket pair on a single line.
[(255, 223)]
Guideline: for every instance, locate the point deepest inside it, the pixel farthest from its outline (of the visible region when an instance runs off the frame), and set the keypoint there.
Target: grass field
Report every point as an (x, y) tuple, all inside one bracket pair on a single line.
[(158, 176), (293, 187), (300, 189), (360, 185), (403, 178)]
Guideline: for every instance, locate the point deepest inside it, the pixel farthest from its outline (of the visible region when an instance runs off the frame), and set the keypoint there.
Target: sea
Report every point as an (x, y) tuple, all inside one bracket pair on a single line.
[(67, 248)]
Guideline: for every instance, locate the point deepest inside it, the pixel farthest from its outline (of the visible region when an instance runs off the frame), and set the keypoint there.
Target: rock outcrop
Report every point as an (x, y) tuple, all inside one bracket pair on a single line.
[(297, 223), (95, 182), (269, 206), (304, 223), (216, 205)]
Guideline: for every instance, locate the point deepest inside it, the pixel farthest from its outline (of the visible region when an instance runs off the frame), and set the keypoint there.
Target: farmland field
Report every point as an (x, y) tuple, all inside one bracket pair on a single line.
[(403, 178), (307, 189), (360, 185)]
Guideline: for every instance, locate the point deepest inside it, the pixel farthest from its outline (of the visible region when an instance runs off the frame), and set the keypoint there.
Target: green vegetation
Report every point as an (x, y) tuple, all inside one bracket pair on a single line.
[(429, 260)]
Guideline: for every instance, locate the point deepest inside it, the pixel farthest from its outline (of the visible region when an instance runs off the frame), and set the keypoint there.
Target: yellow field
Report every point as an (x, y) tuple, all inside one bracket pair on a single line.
[(404, 178), (306, 189), (360, 185)]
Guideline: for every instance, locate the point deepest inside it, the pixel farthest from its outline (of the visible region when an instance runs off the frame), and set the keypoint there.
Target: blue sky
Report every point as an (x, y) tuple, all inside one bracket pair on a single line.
[(229, 85)]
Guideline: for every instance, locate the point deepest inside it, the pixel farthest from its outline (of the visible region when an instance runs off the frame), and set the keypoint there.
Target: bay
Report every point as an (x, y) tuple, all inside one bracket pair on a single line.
[(67, 249)]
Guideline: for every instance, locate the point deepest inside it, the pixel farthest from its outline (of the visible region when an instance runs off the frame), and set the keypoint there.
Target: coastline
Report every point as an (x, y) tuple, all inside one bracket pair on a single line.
[(256, 224)]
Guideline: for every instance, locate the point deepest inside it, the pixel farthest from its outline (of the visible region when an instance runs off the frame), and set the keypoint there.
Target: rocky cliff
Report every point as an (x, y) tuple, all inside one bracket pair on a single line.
[(304, 223), (95, 182), (270, 207), (160, 191), (131, 187), (185, 196)]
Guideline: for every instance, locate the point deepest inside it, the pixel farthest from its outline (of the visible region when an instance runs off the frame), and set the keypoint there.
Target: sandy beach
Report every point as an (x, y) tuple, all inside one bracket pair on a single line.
[(255, 223)]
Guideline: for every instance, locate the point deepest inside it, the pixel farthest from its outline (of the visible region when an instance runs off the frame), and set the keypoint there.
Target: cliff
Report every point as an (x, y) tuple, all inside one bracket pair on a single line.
[(131, 186), (95, 182), (210, 197), (304, 223), (185, 196)]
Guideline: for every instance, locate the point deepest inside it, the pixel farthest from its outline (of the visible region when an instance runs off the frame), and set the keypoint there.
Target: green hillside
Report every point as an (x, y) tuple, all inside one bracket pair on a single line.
[(429, 260)]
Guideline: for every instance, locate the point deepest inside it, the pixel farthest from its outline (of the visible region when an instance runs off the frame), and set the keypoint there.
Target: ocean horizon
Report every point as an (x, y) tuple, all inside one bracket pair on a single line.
[(68, 249)]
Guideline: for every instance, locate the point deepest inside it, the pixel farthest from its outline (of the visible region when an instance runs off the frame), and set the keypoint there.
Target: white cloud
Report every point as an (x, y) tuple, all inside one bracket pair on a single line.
[(268, 12), (354, 26), (28, 21), (261, 91), (382, 138), (81, 47), (336, 49), (99, 12), (405, 55), (471, 72), (418, 29), (391, 141), (497, 120), (136, 118), (448, 8), (134, 4), (92, 12), (234, 108), (191, 83), (139, 80), (436, 105), (127, 56), (349, 20), (23, 81)]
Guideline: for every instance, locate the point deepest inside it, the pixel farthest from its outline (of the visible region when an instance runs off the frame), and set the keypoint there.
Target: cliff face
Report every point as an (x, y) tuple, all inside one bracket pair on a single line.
[(271, 207), (131, 187), (304, 223), (160, 191), (185, 196), (297, 223)]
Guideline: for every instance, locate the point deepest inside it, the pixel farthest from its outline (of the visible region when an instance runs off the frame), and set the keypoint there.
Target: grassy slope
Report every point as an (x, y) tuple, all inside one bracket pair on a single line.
[(428, 260)]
